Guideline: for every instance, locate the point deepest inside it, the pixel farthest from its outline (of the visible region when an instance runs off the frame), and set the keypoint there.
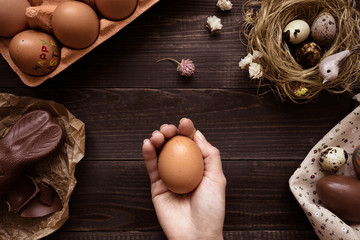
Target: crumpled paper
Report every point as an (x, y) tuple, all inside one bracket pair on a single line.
[(327, 226), (58, 170), (69, 56)]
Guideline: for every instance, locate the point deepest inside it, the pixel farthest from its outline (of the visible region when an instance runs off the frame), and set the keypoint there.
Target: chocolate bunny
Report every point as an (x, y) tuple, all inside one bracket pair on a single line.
[(31, 139)]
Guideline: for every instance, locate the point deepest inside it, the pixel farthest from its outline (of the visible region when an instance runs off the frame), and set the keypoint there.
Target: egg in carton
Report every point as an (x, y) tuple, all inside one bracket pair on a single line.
[(39, 19)]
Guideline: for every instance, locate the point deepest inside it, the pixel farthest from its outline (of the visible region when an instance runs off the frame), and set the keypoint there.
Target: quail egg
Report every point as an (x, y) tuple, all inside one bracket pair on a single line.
[(323, 29), (308, 54), (332, 159), (296, 31)]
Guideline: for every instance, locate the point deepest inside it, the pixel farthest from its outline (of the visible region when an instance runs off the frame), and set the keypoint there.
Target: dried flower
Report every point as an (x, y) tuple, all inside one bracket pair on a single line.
[(257, 55), (255, 70), (252, 63), (224, 5), (186, 67), (214, 24), (245, 62), (249, 14), (301, 91)]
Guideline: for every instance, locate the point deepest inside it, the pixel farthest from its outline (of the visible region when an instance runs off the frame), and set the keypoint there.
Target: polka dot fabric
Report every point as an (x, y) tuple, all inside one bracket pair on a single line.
[(346, 135)]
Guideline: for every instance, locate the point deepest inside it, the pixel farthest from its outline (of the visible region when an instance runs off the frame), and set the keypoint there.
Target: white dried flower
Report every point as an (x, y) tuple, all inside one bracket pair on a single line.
[(214, 24), (255, 71), (224, 5), (257, 54), (246, 61)]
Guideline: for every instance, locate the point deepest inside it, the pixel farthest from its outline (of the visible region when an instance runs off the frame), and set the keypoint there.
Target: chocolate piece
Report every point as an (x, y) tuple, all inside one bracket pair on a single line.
[(46, 202), (22, 191), (341, 195), (45, 193), (33, 137)]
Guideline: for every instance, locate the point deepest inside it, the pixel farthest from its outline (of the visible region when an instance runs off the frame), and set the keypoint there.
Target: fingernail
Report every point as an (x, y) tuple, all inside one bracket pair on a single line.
[(146, 140), (184, 118), (164, 125), (200, 136)]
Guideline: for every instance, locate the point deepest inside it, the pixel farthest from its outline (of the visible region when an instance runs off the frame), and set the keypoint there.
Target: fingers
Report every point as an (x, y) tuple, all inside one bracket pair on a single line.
[(187, 128), (168, 130), (157, 139), (150, 158), (152, 146)]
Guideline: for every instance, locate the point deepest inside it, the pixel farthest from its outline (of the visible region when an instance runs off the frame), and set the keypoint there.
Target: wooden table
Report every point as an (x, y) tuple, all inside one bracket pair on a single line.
[(122, 95)]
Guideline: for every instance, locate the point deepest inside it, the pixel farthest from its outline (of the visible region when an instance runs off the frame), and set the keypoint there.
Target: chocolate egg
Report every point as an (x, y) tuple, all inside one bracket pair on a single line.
[(181, 165), (340, 194), (34, 52), (12, 17), (332, 159), (116, 10), (356, 160), (296, 31), (323, 29), (75, 24), (308, 54)]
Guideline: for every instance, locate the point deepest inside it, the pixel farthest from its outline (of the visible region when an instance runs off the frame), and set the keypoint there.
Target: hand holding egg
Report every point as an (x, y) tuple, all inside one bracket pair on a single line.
[(203, 209)]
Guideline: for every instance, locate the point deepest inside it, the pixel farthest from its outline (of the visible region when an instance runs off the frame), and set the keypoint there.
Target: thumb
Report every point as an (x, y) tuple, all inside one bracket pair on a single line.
[(210, 154)]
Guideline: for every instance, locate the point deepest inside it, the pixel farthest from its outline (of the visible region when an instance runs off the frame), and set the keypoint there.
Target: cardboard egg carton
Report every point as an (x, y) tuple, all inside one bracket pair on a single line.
[(39, 16)]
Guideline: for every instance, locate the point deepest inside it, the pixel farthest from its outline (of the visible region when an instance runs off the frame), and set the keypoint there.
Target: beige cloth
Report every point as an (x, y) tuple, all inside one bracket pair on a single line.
[(59, 170), (327, 226), (69, 56)]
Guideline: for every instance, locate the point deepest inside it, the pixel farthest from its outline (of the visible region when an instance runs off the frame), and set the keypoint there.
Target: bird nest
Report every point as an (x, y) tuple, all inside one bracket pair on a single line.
[(264, 22)]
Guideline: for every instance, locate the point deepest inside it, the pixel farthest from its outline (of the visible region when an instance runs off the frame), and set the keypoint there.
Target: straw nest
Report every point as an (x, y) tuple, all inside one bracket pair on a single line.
[(263, 32)]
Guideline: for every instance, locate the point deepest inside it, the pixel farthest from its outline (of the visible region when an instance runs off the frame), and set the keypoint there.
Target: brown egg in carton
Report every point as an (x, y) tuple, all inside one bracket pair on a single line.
[(39, 16)]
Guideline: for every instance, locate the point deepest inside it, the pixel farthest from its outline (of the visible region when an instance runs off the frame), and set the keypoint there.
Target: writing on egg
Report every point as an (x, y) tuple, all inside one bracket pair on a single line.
[(43, 56)]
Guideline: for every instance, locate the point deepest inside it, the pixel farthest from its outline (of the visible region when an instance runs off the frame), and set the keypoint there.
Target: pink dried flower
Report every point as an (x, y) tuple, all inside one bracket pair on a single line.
[(186, 67)]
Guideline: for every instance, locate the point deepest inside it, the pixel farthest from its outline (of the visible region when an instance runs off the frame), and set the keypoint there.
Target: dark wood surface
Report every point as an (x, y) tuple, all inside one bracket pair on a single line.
[(122, 95)]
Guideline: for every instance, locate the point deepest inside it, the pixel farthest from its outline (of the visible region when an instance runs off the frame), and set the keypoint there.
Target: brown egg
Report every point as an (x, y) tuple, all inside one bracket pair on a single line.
[(181, 165), (34, 52), (356, 160), (75, 24), (341, 195), (116, 9), (308, 54), (12, 17)]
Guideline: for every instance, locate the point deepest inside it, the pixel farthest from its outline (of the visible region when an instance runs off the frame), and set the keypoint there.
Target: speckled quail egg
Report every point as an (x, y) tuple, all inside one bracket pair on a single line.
[(308, 54), (296, 31), (323, 29), (332, 159)]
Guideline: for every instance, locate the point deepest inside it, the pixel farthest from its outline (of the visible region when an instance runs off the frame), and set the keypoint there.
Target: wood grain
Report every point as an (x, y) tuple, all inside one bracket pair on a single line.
[(126, 205), (233, 120), (262, 234), (122, 95)]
